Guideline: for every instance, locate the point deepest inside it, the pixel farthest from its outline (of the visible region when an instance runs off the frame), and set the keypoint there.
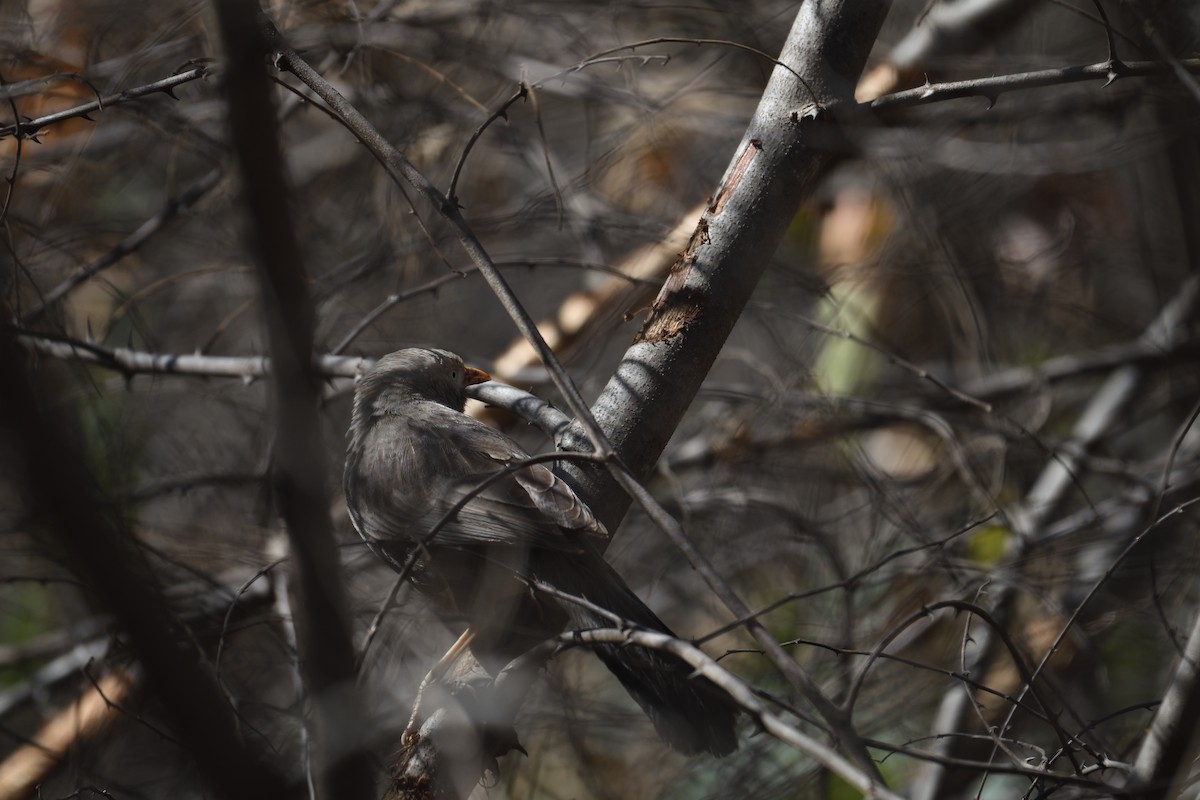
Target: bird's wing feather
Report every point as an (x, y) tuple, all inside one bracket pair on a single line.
[(531, 507), (548, 493)]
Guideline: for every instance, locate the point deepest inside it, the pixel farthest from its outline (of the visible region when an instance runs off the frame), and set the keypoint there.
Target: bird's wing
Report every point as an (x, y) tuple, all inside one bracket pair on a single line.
[(442, 458), (530, 506), (531, 487)]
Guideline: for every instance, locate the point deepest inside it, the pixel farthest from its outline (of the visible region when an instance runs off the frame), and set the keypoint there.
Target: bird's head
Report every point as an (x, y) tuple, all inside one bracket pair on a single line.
[(411, 375)]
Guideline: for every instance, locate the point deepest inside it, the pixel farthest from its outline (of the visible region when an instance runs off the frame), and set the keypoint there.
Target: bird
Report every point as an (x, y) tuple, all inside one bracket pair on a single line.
[(413, 456)]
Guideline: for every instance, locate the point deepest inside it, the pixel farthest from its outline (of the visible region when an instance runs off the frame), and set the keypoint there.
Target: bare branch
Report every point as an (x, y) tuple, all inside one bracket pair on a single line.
[(1164, 749), (992, 87), (298, 463), (32, 129), (28, 765), (864, 781), (175, 206)]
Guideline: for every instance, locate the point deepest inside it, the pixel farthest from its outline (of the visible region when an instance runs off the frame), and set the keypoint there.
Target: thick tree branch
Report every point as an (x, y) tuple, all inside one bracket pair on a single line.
[(298, 471), (776, 167)]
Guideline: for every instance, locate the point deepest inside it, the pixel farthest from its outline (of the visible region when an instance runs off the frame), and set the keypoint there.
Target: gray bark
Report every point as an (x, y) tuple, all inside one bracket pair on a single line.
[(779, 163)]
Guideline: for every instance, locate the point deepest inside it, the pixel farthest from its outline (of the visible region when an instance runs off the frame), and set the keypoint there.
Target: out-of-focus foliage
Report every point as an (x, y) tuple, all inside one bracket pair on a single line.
[(827, 468)]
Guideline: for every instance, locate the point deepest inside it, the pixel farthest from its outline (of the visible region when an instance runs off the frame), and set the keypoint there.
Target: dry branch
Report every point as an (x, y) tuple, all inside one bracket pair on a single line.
[(322, 618), (28, 765)]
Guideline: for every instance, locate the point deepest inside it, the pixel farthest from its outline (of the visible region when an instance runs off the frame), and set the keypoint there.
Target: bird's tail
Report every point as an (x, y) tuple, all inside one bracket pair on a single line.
[(689, 712)]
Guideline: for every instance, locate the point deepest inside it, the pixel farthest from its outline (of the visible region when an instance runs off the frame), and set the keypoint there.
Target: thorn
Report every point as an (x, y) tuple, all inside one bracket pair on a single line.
[(1116, 68), (170, 92), (87, 116)]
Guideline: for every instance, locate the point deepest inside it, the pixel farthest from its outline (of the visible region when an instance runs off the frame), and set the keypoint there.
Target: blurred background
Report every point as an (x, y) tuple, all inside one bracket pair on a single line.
[(968, 375)]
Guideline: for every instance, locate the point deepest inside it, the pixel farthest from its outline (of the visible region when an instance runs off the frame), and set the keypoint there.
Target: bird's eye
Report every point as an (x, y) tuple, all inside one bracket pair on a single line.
[(454, 374)]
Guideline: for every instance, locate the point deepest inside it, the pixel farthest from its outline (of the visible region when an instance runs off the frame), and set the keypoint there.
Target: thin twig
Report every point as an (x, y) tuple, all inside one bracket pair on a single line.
[(175, 206), (1166, 330), (433, 285), (992, 87), (688, 40), (420, 548), (32, 128), (740, 693)]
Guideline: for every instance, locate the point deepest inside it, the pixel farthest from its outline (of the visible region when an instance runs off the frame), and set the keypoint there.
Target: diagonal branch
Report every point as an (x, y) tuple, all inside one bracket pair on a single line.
[(1165, 747), (864, 781), (776, 167), (31, 128)]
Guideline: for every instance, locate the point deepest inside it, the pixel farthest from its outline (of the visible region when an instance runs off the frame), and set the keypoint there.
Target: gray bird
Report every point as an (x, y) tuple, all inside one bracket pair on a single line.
[(413, 455)]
